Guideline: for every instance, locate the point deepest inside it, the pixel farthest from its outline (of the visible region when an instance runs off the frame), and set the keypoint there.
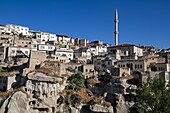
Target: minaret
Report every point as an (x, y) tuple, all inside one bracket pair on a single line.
[(116, 28)]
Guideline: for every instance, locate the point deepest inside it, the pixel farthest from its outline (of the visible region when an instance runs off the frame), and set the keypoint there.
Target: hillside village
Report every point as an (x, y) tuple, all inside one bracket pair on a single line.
[(36, 66)]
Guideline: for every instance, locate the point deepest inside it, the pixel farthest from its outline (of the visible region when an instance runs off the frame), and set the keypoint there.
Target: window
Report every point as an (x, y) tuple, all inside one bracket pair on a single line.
[(140, 66), (50, 47), (86, 70), (42, 47), (26, 52), (13, 51)]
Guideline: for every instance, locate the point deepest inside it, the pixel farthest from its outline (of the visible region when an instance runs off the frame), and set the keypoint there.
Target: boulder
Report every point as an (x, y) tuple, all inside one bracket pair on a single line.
[(100, 108), (121, 106), (16, 103)]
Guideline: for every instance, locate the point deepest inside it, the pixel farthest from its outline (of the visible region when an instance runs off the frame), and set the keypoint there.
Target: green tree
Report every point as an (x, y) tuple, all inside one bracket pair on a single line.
[(76, 82), (153, 97)]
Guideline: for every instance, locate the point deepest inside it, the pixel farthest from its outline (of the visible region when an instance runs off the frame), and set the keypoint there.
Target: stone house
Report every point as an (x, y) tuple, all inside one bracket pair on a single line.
[(18, 29), (87, 68), (17, 55), (45, 47), (82, 68), (64, 52), (74, 66), (103, 63), (127, 50), (116, 71), (5, 30), (61, 59), (2, 54), (140, 65), (162, 67), (36, 58), (23, 42), (83, 52), (6, 81), (64, 39)]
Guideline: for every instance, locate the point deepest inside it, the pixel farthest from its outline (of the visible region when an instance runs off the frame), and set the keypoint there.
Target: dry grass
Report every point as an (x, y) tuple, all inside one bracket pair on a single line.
[(48, 70), (107, 104), (7, 74), (93, 81), (6, 94), (124, 77), (63, 93), (84, 94), (97, 100)]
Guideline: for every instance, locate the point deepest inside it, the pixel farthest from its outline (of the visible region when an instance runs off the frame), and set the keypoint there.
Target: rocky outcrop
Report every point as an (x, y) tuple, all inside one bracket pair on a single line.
[(121, 106), (38, 76), (101, 109), (16, 103)]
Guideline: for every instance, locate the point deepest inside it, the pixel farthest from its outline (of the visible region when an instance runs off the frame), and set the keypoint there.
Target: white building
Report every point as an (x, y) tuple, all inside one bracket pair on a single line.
[(45, 36), (64, 52), (63, 39), (52, 37), (5, 30), (98, 50), (18, 29), (43, 47), (126, 50), (14, 51), (83, 52)]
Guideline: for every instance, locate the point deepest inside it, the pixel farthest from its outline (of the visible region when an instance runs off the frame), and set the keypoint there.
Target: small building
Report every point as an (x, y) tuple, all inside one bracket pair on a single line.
[(7, 81), (36, 58), (64, 52), (87, 68), (162, 67), (18, 29), (2, 54), (116, 71), (127, 50), (103, 63), (44, 47), (45, 36), (140, 65), (63, 39), (5, 30)]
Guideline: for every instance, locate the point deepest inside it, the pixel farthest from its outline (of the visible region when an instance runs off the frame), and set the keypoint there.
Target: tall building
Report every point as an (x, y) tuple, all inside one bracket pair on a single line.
[(116, 28)]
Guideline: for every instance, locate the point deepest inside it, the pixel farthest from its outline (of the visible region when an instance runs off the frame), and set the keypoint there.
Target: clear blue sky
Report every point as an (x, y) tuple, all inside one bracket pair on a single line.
[(145, 22)]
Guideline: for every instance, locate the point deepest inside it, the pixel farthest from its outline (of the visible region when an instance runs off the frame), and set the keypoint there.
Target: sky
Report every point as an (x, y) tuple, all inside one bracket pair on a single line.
[(141, 22)]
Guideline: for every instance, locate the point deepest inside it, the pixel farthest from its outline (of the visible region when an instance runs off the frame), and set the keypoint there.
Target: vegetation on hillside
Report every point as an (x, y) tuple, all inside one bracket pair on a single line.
[(153, 97), (76, 91), (76, 81)]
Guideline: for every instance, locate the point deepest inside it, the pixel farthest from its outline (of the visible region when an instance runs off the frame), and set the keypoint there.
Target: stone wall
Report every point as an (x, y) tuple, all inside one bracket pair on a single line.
[(36, 58)]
